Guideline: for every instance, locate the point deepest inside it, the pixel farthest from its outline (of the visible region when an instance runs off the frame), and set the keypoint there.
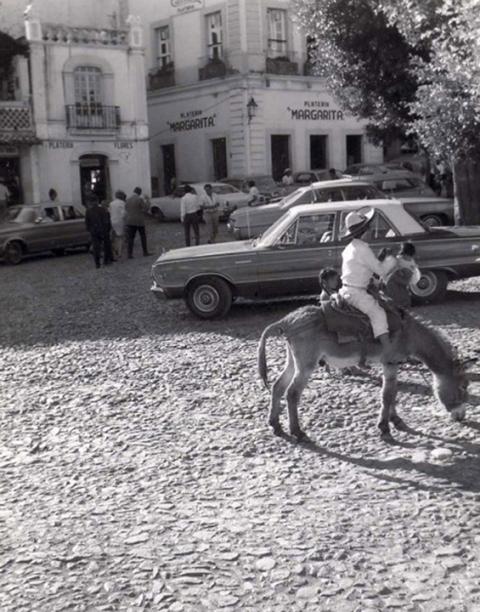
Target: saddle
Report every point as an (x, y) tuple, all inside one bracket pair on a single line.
[(349, 323)]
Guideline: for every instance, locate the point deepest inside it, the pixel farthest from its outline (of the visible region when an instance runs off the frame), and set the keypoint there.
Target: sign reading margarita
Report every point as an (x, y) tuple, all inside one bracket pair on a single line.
[(185, 6), (314, 110), (192, 120)]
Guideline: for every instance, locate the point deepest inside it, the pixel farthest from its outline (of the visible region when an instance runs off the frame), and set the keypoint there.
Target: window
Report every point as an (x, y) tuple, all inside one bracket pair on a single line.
[(277, 32), (88, 88), (361, 192), (224, 189), (164, 54), (214, 35), (70, 212), (328, 195), (309, 231)]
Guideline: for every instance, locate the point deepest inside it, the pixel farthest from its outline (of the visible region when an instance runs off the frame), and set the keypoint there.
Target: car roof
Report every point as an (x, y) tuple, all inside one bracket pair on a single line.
[(337, 183), (346, 205), (392, 175)]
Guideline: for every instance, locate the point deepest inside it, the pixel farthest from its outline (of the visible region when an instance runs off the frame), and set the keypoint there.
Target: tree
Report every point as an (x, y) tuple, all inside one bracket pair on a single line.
[(411, 67)]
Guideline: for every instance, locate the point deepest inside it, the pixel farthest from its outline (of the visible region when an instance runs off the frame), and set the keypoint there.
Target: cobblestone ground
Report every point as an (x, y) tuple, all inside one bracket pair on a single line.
[(138, 473)]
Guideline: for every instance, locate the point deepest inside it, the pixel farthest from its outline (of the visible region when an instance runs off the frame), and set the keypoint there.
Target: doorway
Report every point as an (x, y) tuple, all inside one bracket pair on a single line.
[(169, 168), (94, 178), (219, 150), (10, 175), (280, 147), (318, 152), (354, 149)]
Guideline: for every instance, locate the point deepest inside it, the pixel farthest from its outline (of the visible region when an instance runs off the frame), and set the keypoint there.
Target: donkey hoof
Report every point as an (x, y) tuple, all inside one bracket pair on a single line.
[(299, 434), (387, 437), (277, 429), (399, 424)]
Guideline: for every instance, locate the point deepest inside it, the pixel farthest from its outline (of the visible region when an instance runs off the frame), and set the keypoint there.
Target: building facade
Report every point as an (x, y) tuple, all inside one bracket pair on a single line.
[(230, 91), (82, 85)]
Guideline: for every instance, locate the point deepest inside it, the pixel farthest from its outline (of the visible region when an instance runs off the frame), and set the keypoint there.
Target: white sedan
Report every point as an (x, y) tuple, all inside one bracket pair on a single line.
[(167, 208)]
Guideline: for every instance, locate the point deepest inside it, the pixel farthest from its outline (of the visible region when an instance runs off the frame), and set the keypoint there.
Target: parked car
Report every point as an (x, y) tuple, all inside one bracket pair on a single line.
[(400, 184), (265, 184), (431, 211), (287, 258), (250, 222), (366, 169), (306, 177), (167, 208), (42, 227)]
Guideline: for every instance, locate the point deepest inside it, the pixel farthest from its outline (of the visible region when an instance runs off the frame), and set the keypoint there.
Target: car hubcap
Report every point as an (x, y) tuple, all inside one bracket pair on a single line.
[(426, 285), (206, 298)]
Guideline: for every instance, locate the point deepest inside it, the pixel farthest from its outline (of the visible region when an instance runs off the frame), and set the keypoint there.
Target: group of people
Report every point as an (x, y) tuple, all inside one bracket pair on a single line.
[(193, 207), (112, 226), (361, 268)]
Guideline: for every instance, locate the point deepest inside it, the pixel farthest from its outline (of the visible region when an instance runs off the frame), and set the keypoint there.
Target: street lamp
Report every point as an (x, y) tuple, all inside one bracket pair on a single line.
[(251, 109)]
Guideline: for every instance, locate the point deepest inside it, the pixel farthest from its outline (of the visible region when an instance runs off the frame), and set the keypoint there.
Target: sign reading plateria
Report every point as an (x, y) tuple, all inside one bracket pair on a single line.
[(185, 6)]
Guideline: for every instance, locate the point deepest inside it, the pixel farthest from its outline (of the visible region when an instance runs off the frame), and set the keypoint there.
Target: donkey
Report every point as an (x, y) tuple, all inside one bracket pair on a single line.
[(308, 341)]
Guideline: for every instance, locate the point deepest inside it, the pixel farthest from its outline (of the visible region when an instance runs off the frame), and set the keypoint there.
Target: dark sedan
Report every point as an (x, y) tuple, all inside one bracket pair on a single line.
[(287, 258), (40, 228)]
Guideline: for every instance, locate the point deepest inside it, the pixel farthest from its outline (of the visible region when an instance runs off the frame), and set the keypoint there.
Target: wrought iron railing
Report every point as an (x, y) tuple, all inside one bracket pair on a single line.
[(162, 77), (281, 64), (82, 116)]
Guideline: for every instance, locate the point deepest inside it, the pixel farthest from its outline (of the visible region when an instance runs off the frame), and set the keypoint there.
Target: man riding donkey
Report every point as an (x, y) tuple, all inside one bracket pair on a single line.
[(359, 264)]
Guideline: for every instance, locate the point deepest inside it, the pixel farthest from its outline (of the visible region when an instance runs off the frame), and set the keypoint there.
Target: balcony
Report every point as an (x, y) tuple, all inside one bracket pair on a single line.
[(16, 123), (92, 117), (214, 68), (161, 77), (281, 64)]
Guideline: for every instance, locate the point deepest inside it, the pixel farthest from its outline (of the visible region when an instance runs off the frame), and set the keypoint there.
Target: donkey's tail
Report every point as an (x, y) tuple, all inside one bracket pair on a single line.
[(275, 329)]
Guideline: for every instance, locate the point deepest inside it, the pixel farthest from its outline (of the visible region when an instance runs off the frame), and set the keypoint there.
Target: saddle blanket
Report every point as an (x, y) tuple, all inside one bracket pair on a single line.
[(349, 323)]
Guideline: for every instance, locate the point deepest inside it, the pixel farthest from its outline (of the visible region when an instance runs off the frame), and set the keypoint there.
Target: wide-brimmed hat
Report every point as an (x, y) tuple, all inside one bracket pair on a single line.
[(357, 222)]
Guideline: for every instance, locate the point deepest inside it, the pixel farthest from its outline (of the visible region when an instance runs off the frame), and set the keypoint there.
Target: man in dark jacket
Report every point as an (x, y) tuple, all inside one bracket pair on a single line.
[(97, 221), (135, 209)]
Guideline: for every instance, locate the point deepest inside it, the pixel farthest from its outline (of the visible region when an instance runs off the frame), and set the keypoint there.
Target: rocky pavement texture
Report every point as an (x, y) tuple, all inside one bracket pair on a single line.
[(138, 473)]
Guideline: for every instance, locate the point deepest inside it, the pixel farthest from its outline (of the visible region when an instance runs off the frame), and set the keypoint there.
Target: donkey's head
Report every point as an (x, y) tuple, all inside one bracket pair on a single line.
[(451, 389)]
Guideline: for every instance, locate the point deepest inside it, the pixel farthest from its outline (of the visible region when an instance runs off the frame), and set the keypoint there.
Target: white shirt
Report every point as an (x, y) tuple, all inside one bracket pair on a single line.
[(359, 264), (210, 203), (117, 215), (412, 266), (4, 193), (188, 204), (287, 179), (254, 195)]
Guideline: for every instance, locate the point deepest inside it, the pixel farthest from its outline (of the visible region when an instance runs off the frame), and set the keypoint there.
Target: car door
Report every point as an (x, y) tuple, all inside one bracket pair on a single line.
[(292, 265), (43, 235), (72, 227), (381, 233)]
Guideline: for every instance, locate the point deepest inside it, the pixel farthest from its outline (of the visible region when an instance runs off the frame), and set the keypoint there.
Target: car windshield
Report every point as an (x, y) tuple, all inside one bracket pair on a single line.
[(25, 214), (287, 202), (265, 238)]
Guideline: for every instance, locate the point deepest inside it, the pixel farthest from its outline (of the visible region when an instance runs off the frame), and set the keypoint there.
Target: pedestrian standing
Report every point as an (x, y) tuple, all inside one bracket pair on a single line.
[(117, 216), (135, 209), (210, 206), (4, 197), (287, 178), (97, 221), (189, 214), (253, 194)]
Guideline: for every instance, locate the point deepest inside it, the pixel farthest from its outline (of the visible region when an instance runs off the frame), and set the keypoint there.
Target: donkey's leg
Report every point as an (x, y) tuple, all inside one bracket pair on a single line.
[(306, 355), (389, 394), (278, 391)]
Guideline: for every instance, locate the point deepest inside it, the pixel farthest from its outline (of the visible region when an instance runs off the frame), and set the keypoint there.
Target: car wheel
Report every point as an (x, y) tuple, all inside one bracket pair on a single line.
[(157, 214), (14, 253), (432, 220), (431, 287), (209, 298), (58, 252)]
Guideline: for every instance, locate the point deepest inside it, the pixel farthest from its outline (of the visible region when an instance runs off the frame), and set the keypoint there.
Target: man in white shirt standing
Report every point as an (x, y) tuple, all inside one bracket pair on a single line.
[(189, 209), (210, 206), (117, 217), (359, 263), (287, 178), (4, 195), (253, 194)]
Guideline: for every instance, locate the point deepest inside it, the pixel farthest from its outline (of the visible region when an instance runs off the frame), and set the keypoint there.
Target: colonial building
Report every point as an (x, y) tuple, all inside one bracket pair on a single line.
[(231, 92), (77, 115)]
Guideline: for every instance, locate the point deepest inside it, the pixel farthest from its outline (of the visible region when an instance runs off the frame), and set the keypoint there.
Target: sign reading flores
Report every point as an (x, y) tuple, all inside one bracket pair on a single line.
[(192, 120), (314, 110)]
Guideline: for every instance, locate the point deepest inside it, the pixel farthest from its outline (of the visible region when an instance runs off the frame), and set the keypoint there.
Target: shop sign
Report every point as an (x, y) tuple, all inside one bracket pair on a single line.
[(123, 145), (314, 110), (59, 144), (186, 6), (9, 150), (192, 120)]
